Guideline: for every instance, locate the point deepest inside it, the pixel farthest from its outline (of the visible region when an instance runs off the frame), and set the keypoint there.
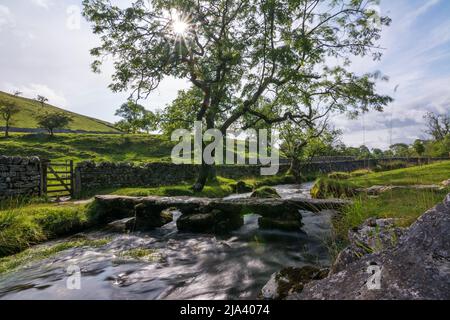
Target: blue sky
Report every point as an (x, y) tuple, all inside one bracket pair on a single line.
[(41, 52)]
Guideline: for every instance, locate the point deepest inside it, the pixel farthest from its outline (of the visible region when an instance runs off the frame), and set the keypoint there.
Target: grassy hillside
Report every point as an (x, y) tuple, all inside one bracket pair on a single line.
[(425, 174), (97, 147), (29, 109)]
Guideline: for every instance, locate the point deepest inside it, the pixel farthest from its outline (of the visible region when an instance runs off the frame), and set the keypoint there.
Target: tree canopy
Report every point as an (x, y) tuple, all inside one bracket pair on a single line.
[(247, 59)]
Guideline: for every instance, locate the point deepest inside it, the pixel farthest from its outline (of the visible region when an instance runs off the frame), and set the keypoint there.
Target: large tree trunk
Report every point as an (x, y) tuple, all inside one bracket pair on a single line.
[(7, 130)]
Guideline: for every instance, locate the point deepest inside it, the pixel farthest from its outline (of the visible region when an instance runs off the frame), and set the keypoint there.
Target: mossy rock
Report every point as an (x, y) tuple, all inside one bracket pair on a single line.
[(241, 187), (330, 188), (266, 192), (290, 281)]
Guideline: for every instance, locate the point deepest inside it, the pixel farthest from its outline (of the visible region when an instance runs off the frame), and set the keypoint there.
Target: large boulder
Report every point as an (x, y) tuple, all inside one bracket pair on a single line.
[(215, 221), (418, 267), (289, 281), (149, 217), (374, 235)]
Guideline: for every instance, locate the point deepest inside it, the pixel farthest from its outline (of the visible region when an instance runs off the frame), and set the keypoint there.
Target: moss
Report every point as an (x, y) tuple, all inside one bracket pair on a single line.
[(266, 192), (141, 254)]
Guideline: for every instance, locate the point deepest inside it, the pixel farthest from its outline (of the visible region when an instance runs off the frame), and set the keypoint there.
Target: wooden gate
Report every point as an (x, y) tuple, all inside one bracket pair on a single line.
[(58, 178)]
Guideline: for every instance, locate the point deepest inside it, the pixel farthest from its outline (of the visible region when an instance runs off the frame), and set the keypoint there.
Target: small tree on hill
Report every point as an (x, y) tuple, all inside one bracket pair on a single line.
[(135, 118), (42, 100), (53, 121), (419, 147), (17, 93), (7, 110)]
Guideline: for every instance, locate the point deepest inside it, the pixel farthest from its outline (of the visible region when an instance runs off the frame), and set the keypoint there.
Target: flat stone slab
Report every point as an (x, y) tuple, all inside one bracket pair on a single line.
[(187, 204)]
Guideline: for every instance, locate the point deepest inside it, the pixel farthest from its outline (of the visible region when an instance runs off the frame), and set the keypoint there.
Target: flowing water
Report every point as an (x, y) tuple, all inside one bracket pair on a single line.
[(182, 265)]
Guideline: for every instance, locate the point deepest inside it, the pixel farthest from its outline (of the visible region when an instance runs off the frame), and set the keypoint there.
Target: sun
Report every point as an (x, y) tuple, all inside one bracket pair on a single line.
[(180, 26)]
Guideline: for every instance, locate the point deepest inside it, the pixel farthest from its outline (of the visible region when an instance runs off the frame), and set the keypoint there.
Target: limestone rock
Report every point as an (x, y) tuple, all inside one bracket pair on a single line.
[(418, 267), (372, 236), (122, 226), (150, 217), (289, 281)]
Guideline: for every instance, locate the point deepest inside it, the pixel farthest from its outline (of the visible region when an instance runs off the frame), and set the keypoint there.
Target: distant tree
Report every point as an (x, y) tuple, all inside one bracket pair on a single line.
[(419, 147), (17, 93), (400, 149), (377, 153), (181, 113), (53, 121), (438, 125), (301, 145), (364, 152), (135, 118), (42, 100), (7, 110)]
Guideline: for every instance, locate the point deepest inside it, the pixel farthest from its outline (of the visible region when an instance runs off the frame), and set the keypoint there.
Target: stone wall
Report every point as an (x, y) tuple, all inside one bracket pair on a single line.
[(92, 176), (19, 176)]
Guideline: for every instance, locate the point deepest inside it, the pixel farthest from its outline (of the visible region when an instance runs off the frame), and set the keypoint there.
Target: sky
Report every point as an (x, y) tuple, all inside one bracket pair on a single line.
[(44, 49)]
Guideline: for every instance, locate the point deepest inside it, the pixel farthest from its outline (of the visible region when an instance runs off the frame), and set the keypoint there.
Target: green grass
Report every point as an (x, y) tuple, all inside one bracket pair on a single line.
[(405, 205), (29, 109), (95, 147), (426, 174), (217, 189), (31, 224), (13, 262)]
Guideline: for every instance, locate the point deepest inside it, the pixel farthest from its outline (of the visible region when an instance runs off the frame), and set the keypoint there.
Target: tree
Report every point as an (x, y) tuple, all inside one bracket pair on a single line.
[(400, 149), (245, 57), (301, 145), (419, 147), (180, 114), (135, 118), (438, 125), (17, 93), (7, 110), (42, 100), (377, 153), (364, 152), (53, 121)]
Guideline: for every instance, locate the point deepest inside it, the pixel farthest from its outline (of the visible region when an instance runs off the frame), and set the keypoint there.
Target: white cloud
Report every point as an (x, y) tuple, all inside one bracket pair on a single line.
[(33, 90), (42, 3), (6, 17)]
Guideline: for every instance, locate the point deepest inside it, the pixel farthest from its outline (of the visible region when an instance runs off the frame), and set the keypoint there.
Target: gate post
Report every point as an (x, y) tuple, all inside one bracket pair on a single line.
[(44, 166)]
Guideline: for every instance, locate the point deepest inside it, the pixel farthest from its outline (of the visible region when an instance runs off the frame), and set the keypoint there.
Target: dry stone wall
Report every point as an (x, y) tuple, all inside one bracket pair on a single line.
[(19, 176)]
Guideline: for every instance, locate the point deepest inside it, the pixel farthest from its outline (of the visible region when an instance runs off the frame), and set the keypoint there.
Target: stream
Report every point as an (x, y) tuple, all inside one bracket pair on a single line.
[(182, 265)]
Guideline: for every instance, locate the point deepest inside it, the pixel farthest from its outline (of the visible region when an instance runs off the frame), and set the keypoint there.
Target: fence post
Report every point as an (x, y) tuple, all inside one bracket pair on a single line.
[(72, 193), (44, 166)]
